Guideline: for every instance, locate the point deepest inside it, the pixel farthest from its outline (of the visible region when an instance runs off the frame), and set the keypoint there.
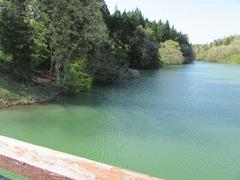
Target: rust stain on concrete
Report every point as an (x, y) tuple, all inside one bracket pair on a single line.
[(39, 163)]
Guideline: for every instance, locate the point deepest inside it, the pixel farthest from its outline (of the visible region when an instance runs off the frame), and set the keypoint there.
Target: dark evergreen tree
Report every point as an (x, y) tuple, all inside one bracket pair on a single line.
[(17, 36), (144, 51), (106, 13)]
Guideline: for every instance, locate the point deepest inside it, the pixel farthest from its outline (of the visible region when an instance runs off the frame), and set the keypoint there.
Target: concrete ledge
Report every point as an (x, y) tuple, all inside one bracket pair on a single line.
[(38, 163)]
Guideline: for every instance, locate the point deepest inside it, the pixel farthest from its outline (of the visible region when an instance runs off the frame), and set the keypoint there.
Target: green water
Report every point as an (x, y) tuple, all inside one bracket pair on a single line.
[(179, 123)]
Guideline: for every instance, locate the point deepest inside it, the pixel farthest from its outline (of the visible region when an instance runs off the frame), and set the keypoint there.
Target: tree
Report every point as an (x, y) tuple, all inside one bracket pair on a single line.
[(104, 65), (17, 36), (225, 50), (144, 51), (166, 32), (106, 13), (170, 52), (76, 27), (52, 36)]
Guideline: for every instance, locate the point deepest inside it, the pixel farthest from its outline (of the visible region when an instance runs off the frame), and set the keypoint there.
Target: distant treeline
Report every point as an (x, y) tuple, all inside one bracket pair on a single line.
[(79, 43), (226, 50)]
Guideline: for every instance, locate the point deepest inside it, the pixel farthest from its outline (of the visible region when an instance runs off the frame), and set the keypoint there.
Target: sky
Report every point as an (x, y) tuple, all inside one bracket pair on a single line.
[(203, 20)]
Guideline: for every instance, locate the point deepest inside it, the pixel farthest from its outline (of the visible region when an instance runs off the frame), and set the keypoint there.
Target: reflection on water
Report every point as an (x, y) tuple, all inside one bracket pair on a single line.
[(180, 123)]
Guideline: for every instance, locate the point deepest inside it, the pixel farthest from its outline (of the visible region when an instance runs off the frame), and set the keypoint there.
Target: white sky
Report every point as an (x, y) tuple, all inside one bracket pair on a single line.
[(202, 20)]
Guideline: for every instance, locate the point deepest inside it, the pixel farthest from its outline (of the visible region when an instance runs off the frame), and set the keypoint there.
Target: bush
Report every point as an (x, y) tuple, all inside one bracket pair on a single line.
[(5, 62), (78, 78)]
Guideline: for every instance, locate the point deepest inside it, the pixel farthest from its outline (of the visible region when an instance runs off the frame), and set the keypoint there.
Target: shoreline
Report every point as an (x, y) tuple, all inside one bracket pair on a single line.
[(13, 93), (5, 105), (217, 62)]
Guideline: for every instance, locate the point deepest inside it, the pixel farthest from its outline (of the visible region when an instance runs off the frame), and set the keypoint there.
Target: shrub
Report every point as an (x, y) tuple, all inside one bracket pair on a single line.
[(78, 79)]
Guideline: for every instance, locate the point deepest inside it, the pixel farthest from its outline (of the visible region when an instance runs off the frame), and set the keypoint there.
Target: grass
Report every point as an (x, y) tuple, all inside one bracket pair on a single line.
[(14, 93)]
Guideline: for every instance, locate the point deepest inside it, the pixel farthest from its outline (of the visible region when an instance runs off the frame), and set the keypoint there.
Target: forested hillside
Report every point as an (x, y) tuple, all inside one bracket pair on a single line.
[(76, 44), (225, 50)]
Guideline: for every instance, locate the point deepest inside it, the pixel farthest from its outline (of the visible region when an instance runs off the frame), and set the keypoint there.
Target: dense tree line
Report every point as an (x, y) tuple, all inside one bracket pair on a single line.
[(226, 50), (79, 42), (140, 38)]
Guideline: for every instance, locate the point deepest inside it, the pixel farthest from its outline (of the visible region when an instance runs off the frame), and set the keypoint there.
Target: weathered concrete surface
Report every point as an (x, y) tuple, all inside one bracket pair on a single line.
[(38, 163)]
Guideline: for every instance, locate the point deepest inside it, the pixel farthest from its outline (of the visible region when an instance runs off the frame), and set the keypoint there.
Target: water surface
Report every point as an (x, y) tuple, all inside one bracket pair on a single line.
[(179, 123)]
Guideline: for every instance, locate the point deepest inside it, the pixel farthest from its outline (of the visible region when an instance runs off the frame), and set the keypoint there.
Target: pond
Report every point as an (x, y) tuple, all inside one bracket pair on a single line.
[(178, 123)]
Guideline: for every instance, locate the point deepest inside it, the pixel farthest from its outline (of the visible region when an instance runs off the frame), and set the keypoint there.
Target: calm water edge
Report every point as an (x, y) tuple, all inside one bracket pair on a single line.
[(179, 123)]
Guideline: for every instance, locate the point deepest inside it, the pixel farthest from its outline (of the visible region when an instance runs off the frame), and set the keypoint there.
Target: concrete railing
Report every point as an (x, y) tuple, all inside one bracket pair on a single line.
[(38, 163)]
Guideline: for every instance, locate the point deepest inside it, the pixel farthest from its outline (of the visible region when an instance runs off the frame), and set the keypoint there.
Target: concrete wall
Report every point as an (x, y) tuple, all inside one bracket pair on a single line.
[(38, 163)]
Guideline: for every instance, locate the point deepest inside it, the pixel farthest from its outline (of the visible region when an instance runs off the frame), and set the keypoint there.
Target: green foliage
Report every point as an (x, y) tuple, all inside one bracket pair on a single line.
[(141, 44), (76, 28), (170, 52), (104, 65), (105, 13), (5, 62), (144, 50), (78, 78), (17, 36), (22, 36), (49, 36), (225, 50), (4, 58)]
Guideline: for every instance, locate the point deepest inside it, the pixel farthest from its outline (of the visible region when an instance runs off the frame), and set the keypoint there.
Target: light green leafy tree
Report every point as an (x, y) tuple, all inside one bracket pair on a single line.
[(78, 79), (170, 53)]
